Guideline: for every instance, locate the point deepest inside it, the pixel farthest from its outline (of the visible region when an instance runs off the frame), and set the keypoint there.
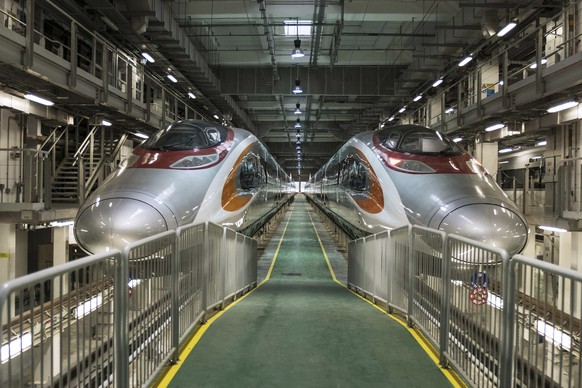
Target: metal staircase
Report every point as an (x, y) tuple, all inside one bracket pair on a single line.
[(79, 166)]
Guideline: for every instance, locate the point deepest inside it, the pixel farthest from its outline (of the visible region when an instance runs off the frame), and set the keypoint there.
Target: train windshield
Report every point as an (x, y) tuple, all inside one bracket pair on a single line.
[(418, 140), (186, 135)]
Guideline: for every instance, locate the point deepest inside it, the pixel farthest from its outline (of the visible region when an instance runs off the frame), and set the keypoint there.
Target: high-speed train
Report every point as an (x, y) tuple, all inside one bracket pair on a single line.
[(410, 174), (191, 171)]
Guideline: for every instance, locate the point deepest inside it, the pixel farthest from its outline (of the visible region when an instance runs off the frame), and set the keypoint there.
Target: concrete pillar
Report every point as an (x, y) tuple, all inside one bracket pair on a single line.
[(487, 154), (60, 240)]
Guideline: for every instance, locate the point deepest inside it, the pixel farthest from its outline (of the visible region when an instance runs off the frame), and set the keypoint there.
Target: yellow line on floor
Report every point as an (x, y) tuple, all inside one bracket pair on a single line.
[(453, 378), (169, 375)]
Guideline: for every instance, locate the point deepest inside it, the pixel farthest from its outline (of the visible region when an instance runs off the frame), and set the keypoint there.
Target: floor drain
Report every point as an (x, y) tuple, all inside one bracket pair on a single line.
[(291, 274)]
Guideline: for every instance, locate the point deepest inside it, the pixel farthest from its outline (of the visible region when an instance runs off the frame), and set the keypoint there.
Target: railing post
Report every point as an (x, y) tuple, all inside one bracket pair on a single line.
[(508, 316), (47, 184), (121, 326), (410, 276), (446, 285), (175, 289), (205, 270)]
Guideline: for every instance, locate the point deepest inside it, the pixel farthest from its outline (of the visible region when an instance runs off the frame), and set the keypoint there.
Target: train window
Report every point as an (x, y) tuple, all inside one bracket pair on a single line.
[(354, 175), (418, 140), (247, 174), (186, 135)]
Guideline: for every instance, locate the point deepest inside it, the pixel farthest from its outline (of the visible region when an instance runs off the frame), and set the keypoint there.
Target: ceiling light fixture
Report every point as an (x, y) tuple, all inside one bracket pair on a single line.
[(534, 65), (541, 143), (466, 60), (297, 110), (402, 109), (505, 150), (297, 89), (552, 229), (298, 124), (147, 56), (172, 78), (563, 106), (450, 110), (494, 127), (417, 97), (297, 52), (457, 139), (106, 123), (391, 118), (508, 27), (38, 99), (191, 95), (437, 82)]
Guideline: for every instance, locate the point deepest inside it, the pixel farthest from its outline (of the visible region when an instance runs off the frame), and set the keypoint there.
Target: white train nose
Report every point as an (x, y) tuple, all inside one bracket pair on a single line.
[(114, 223), (491, 224)]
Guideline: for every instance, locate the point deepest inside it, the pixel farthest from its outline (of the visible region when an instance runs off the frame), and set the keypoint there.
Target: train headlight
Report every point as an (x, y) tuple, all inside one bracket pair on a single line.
[(475, 166), (410, 165), (195, 161)]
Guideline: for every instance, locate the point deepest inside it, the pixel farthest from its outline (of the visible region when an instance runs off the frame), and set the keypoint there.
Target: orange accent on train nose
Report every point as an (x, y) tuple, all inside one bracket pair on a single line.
[(231, 200), (372, 202)]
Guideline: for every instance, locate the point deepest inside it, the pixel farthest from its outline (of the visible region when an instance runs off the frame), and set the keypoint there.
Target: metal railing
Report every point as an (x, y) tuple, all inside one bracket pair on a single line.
[(24, 175), (499, 322), (120, 318)]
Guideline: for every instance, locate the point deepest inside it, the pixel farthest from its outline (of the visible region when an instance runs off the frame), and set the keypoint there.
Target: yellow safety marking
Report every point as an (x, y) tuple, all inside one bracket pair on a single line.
[(453, 378), (165, 381)]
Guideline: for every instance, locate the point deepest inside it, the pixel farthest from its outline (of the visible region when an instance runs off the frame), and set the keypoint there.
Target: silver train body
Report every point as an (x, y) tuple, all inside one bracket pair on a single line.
[(189, 172), (415, 175)]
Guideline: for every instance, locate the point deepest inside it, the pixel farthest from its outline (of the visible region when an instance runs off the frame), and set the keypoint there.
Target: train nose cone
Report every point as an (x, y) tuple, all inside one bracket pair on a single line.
[(114, 223), (490, 224)]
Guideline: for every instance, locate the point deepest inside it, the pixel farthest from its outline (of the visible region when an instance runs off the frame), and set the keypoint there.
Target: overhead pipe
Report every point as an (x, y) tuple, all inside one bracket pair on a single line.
[(270, 38)]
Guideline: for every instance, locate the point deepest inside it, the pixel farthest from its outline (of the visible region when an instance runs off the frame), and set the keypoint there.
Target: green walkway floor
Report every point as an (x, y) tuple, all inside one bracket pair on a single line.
[(302, 329)]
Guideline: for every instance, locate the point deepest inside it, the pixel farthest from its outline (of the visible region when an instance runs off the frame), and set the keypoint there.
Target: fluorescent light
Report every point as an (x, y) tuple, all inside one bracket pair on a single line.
[(437, 82), (141, 135), (61, 223), (541, 143), (402, 109), (172, 78), (15, 347), (216, 117), (148, 57), (508, 27), (535, 65), (504, 162), (191, 95), (417, 98), (86, 307), (465, 61), (554, 335), (38, 99), (106, 123), (566, 105), (494, 127), (450, 110), (552, 229), (391, 118), (457, 139), (505, 150)]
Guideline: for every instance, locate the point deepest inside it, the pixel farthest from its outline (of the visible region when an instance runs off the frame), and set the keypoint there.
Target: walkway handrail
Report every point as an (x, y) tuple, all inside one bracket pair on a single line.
[(131, 311), (484, 312)]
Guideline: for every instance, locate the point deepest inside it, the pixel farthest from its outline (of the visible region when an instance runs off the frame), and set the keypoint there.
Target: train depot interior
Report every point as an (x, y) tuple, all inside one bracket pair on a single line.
[(84, 82)]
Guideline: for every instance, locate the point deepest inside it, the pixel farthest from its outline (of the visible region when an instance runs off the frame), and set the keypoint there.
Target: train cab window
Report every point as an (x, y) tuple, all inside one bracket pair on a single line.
[(418, 140), (186, 135), (354, 175)]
